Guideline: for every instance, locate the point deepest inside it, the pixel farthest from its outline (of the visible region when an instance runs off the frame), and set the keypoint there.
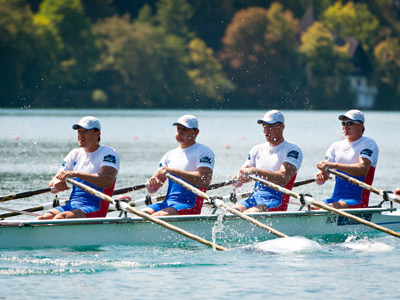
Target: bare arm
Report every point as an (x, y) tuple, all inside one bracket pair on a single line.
[(358, 169), (281, 177), (103, 179), (201, 177)]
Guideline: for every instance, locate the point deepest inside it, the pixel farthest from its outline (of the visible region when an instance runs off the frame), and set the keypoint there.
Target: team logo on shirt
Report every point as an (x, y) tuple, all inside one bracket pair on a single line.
[(160, 165), (248, 157), (367, 152), (110, 158), (63, 163), (293, 154), (206, 159)]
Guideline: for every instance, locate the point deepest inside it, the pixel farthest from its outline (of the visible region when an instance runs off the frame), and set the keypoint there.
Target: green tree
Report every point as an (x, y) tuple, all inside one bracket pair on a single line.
[(352, 20), (387, 55), (16, 50), (77, 52), (206, 73), (173, 17), (140, 64), (327, 66), (259, 51)]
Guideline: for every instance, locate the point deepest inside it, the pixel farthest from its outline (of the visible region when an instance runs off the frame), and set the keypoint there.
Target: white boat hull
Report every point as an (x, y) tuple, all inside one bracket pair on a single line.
[(104, 231)]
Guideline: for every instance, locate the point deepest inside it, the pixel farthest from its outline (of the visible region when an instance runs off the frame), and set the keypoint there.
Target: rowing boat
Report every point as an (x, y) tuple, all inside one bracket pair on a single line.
[(318, 225)]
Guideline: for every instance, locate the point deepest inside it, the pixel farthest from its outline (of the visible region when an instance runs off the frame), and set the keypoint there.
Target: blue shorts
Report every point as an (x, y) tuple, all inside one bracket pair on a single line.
[(258, 198), (87, 209), (349, 202), (160, 206)]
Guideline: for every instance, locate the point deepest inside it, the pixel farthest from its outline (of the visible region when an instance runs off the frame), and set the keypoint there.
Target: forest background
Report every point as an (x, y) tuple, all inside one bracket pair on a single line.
[(212, 54)]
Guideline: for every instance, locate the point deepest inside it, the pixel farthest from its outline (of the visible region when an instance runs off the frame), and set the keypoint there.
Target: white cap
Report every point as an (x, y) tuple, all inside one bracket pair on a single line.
[(88, 123), (189, 121), (354, 115), (272, 117)]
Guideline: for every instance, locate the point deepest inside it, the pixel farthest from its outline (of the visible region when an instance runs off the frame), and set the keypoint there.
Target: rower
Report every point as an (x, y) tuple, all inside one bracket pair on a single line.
[(356, 156), (276, 160), (192, 162), (92, 164)]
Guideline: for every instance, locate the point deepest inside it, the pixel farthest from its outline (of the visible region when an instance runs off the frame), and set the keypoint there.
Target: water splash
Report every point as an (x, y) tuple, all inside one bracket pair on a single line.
[(285, 246), (365, 245), (218, 226)]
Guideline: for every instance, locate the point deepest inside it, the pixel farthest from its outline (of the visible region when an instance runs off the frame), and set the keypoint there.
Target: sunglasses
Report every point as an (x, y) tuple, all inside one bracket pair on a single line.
[(349, 123)]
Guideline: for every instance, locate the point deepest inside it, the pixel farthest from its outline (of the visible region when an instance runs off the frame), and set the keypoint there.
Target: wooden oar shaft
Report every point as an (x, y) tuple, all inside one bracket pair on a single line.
[(220, 184), (354, 218), (233, 211), (361, 184), (144, 215), (23, 194), (19, 211), (303, 182), (128, 189), (325, 206), (253, 221)]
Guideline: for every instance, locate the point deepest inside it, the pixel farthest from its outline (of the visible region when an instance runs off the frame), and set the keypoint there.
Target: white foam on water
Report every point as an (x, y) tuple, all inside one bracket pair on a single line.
[(285, 245), (365, 245)]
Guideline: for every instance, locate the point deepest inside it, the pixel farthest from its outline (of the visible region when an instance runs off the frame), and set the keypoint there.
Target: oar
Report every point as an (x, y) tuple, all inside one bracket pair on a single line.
[(126, 206), (129, 189), (220, 184), (45, 206), (311, 201), (220, 203), (364, 185), (19, 211), (23, 194), (303, 182)]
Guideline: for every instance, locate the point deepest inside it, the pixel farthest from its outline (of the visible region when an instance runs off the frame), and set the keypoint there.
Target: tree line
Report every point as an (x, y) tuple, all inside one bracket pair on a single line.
[(212, 54)]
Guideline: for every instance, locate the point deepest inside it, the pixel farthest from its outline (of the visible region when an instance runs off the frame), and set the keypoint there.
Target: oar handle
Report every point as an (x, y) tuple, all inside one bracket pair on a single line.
[(127, 207), (303, 182)]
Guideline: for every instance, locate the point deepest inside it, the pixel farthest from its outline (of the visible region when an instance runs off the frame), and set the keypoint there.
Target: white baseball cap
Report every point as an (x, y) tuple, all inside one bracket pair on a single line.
[(272, 117), (189, 121), (354, 115), (88, 123)]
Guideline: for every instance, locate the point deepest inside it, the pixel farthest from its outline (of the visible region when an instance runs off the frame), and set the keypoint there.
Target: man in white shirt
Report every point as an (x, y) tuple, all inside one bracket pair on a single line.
[(277, 161), (192, 162), (356, 156), (92, 164)]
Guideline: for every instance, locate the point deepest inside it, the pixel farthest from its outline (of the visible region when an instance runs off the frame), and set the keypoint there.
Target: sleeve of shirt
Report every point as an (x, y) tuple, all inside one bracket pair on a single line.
[(370, 151), (68, 163), (330, 154), (251, 157), (294, 156), (110, 159), (164, 161), (205, 158)]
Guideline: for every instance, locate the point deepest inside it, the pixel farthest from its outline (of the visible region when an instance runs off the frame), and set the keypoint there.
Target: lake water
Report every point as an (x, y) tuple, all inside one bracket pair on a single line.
[(34, 142)]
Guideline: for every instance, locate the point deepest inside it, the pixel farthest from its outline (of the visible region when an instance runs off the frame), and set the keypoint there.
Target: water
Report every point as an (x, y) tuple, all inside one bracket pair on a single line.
[(35, 141)]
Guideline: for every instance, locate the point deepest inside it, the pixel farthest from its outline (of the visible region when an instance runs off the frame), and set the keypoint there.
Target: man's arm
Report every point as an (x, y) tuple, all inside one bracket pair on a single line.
[(281, 177), (201, 177), (359, 169), (104, 179)]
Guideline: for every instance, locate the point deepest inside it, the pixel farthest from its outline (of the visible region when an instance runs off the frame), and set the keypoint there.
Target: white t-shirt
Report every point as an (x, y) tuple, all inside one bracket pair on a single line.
[(345, 152), (270, 158), (88, 162), (189, 159)]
